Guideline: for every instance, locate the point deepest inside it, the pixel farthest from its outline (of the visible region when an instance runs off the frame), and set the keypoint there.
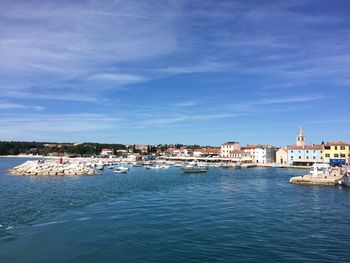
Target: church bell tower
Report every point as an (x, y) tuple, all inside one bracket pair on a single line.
[(300, 138)]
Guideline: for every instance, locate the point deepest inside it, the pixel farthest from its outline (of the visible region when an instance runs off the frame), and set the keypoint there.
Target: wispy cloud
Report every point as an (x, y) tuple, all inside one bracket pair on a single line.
[(118, 78), (9, 105), (186, 104), (166, 63)]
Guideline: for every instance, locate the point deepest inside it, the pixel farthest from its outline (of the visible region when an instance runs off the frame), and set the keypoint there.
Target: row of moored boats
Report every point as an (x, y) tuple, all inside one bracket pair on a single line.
[(192, 167)]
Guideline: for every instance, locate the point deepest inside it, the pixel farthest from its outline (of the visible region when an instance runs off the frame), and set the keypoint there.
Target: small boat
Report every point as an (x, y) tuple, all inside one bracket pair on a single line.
[(111, 167), (320, 169), (153, 167), (121, 169), (276, 166), (99, 167), (224, 165), (194, 168), (238, 166), (136, 164), (165, 166), (345, 180)]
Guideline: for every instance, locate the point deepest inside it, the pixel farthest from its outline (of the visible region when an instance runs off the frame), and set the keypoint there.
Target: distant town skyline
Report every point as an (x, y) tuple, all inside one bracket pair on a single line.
[(190, 72)]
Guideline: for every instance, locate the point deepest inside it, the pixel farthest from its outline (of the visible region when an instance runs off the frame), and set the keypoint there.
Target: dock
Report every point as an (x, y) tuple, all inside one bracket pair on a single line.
[(310, 180)]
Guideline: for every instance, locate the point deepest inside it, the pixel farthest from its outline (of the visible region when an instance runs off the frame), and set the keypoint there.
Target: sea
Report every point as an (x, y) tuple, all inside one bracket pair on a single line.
[(224, 215)]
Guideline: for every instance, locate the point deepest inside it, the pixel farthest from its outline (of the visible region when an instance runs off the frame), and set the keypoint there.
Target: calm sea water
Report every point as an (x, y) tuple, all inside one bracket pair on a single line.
[(247, 215)]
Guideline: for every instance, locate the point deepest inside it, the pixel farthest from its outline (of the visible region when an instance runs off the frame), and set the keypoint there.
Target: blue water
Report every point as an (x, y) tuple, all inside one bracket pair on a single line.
[(247, 215)]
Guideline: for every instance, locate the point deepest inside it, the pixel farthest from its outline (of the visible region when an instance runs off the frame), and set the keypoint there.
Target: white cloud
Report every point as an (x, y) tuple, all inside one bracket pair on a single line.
[(9, 105), (118, 78)]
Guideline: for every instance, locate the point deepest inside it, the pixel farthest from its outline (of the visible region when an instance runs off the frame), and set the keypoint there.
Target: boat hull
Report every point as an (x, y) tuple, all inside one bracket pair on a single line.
[(346, 180), (194, 170)]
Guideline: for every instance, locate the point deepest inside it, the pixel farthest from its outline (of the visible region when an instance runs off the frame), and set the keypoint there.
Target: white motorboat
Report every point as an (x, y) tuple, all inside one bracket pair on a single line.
[(121, 169), (136, 164), (153, 167), (99, 167), (194, 168), (345, 180), (320, 169)]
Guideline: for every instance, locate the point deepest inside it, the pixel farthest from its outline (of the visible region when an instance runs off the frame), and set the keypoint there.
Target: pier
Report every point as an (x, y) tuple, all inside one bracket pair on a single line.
[(331, 178)]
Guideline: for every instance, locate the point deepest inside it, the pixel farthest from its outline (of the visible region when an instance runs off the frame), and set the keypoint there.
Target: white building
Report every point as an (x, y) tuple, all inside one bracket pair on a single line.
[(183, 152), (107, 152), (261, 153), (301, 154), (264, 154), (229, 149), (282, 156)]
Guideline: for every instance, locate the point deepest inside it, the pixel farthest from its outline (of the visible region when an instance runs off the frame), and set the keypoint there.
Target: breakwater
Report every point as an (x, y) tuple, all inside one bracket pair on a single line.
[(51, 168)]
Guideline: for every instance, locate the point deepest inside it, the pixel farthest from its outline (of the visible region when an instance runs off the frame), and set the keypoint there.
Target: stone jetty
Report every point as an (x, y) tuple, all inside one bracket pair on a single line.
[(51, 168)]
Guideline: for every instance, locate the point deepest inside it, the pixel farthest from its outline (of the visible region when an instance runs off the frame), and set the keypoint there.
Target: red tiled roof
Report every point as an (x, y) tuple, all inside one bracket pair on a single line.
[(337, 144), (306, 147), (208, 150), (106, 149), (252, 146)]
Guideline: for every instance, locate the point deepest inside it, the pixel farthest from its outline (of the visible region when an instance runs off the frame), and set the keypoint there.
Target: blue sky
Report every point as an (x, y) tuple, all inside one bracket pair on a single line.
[(190, 71)]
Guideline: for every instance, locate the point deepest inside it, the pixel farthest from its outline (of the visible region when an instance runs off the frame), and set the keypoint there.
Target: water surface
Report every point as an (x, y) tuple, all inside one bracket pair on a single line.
[(247, 215)]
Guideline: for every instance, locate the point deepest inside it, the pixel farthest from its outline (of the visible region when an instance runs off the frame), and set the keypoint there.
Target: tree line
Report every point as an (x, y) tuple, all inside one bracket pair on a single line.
[(45, 148)]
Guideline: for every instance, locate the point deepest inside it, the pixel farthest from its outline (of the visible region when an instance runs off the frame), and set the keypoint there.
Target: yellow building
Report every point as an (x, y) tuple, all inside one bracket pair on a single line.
[(336, 151)]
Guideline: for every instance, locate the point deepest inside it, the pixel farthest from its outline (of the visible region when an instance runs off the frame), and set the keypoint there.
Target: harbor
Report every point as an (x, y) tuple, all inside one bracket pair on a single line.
[(191, 211)]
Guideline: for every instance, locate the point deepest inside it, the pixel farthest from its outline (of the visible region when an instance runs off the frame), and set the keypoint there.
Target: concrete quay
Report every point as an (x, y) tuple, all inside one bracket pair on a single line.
[(326, 179), (274, 165)]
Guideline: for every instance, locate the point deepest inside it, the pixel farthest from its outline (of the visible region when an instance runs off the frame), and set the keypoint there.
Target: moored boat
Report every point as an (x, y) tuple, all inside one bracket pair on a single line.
[(99, 167), (194, 168), (121, 169), (345, 180)]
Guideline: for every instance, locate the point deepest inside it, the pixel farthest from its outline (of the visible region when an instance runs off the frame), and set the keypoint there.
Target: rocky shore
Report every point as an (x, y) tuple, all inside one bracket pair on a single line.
[(51, 168)]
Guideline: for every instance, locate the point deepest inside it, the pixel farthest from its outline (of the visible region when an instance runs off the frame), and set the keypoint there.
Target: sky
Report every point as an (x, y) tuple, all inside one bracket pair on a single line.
[(175, 71)]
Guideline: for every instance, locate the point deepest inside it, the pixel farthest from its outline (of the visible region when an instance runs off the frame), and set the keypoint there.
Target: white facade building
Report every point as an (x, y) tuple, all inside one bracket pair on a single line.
[(229, 149), (107, 152), (261, 153), (282, 156)]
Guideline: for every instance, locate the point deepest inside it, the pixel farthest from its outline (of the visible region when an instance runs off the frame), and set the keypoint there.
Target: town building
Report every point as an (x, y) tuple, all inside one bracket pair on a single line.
[(282, 156), (336, 153), (260, 153), (264, 154), (206, 152), (302, 154), (305, 155), (182, 152), (107, 152), (228, 148)]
